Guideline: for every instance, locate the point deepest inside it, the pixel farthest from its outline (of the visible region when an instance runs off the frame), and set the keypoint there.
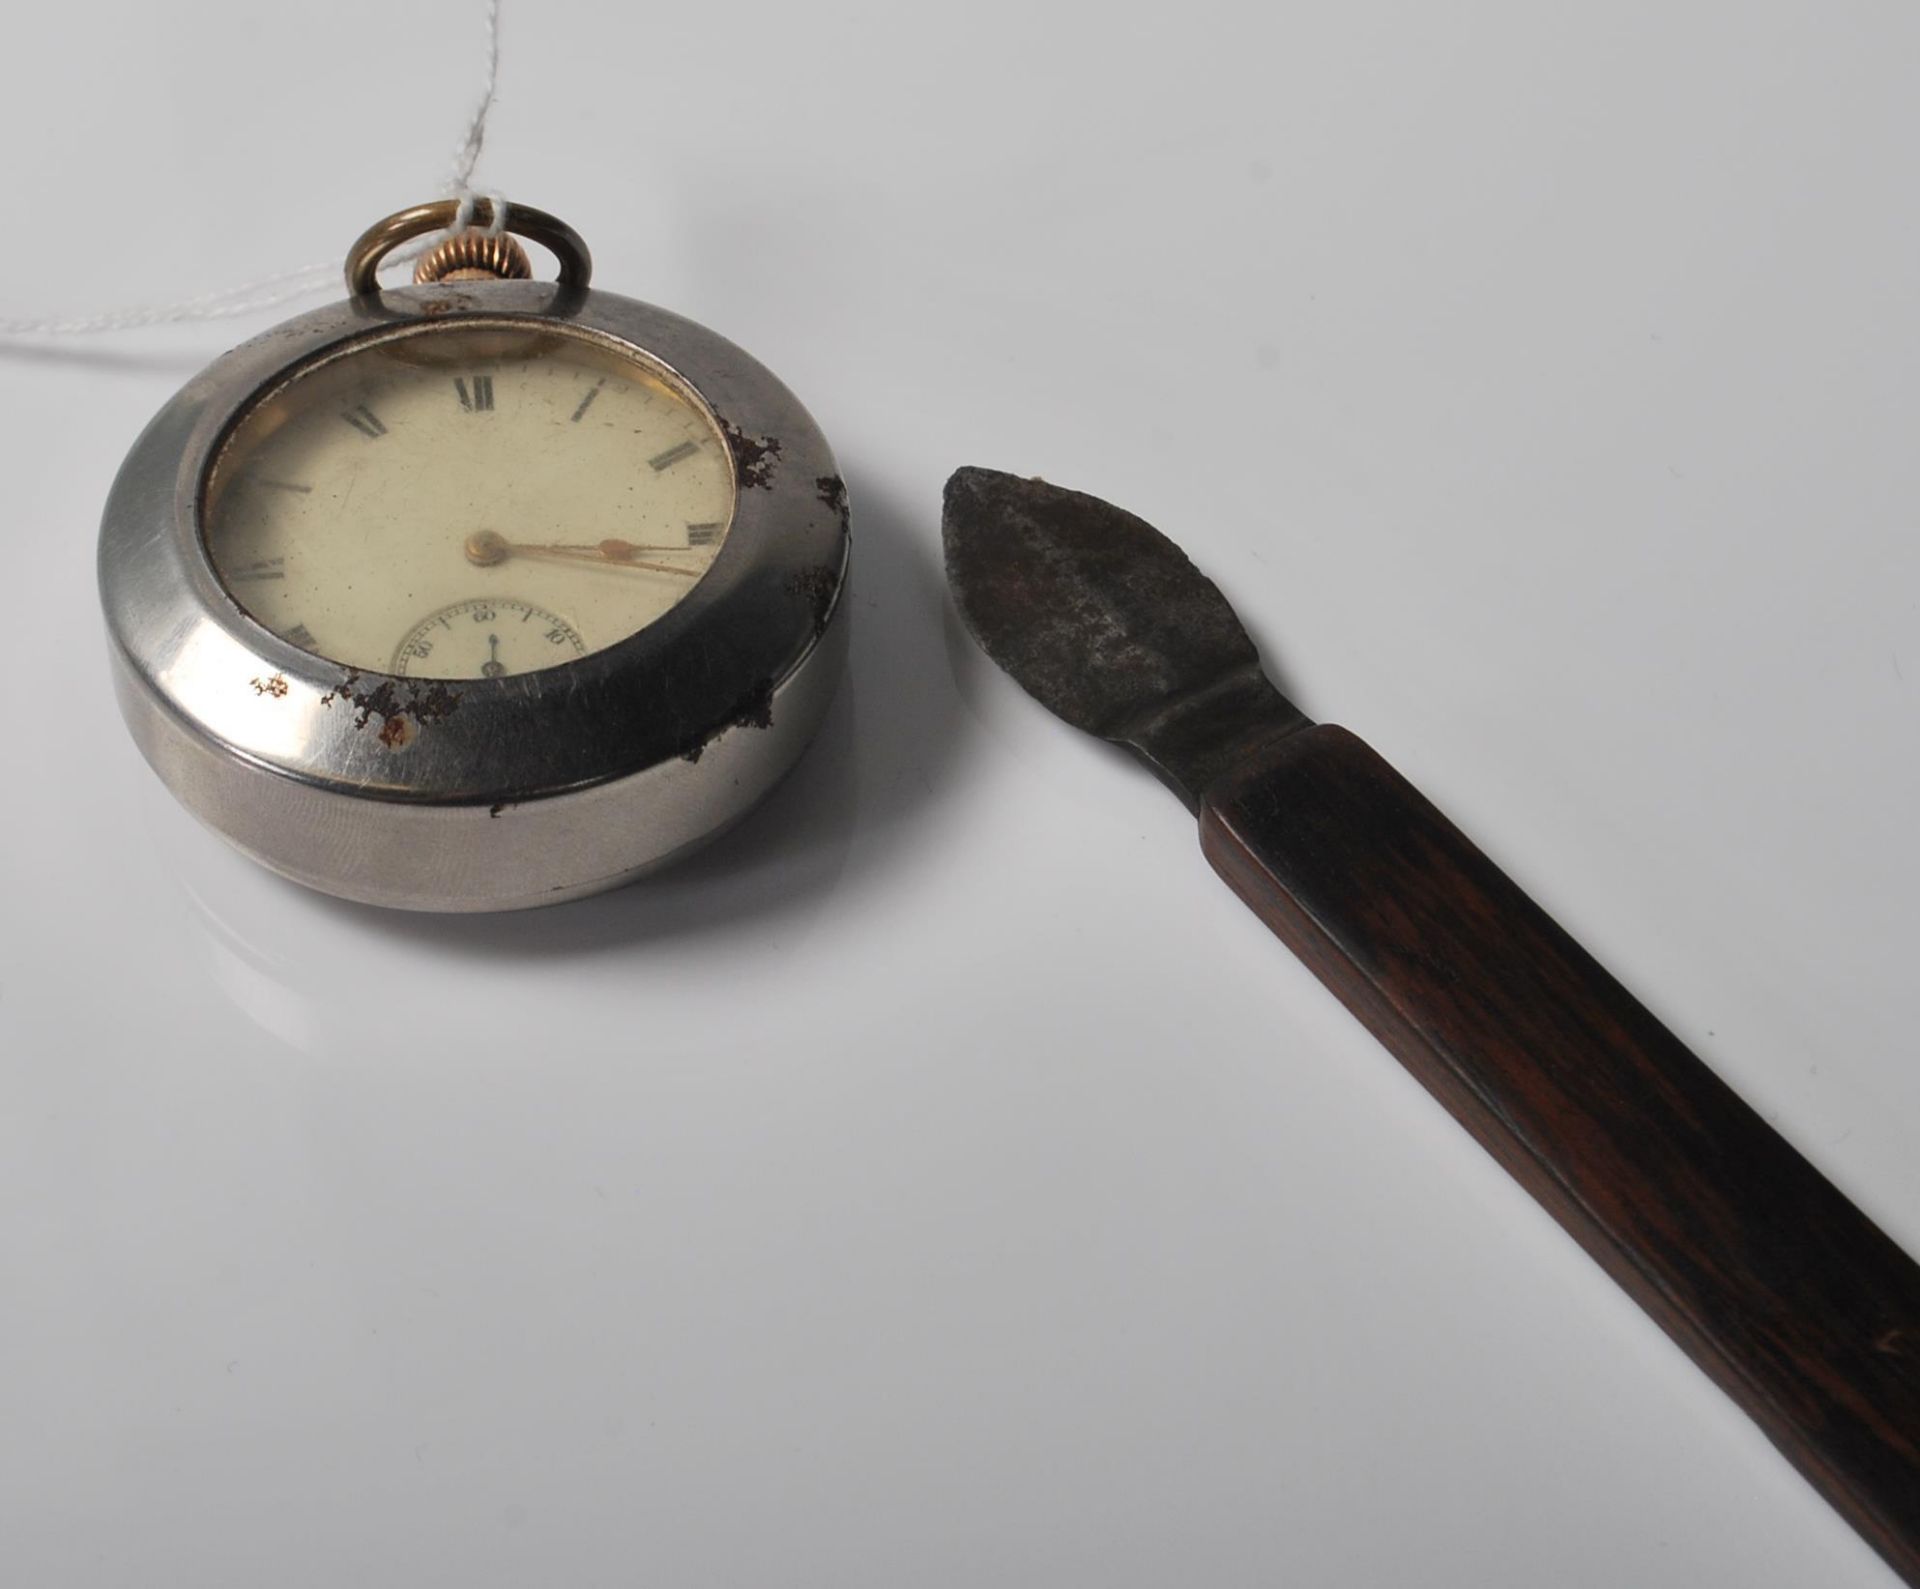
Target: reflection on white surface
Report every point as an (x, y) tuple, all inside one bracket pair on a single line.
[(338, 981), (254, 979)]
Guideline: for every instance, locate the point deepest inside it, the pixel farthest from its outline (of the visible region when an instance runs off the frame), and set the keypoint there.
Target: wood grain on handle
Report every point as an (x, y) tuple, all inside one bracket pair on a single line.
[(1791, 1298)]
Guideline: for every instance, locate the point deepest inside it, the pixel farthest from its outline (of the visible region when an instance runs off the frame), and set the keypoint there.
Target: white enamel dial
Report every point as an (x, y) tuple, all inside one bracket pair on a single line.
[(374, 507)]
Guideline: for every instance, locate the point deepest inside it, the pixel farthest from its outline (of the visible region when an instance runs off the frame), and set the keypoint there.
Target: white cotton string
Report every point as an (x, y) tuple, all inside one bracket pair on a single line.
[(467, 156), (290, 286), (269, 291)]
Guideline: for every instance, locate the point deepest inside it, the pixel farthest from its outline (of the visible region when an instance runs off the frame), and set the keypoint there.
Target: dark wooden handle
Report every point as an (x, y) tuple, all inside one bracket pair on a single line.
[(1791, 1298)]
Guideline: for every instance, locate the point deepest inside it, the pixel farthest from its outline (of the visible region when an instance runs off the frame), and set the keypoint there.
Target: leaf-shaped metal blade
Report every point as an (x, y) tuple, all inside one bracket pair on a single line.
[(1107, 624)]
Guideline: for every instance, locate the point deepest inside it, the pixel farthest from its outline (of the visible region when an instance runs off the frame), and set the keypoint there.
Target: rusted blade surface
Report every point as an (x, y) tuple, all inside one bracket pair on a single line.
[(1108, 625)]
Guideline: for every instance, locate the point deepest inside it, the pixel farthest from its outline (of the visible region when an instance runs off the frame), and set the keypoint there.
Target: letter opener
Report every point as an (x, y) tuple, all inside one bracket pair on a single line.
[(1796, 1304)]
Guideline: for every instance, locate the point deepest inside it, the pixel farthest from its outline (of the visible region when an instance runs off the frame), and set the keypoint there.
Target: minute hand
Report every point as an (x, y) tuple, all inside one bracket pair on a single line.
[(486, 547)]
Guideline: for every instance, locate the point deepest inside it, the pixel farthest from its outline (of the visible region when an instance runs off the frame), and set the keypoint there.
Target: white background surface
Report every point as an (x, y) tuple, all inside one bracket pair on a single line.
[(945, 1181)]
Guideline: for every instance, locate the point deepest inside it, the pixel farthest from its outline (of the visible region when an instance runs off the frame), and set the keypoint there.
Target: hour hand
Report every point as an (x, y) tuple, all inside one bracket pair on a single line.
[(486, 547)]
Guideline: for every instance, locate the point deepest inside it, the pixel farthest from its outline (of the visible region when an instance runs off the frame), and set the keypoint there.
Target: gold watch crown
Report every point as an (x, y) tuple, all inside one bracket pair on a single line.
[(475, 255)]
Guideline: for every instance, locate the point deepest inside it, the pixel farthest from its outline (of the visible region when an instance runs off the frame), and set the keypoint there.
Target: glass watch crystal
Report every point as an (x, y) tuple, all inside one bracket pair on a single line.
[(464, 502)]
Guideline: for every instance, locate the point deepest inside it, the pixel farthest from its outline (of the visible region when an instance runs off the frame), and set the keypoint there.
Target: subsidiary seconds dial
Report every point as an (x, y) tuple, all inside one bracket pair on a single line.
[(487, 638)]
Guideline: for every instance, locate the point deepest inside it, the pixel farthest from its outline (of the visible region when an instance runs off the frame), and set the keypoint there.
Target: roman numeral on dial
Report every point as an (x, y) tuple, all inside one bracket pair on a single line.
[(480, 398), (673, 455), (586, 402), (366, 421)]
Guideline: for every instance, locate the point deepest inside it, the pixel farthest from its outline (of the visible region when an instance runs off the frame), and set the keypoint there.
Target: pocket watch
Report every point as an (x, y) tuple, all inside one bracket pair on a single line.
[(480, 593)]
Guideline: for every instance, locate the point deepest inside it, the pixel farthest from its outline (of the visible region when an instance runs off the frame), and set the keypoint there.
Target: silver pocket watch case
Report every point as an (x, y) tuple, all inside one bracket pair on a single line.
[(488, 793)]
